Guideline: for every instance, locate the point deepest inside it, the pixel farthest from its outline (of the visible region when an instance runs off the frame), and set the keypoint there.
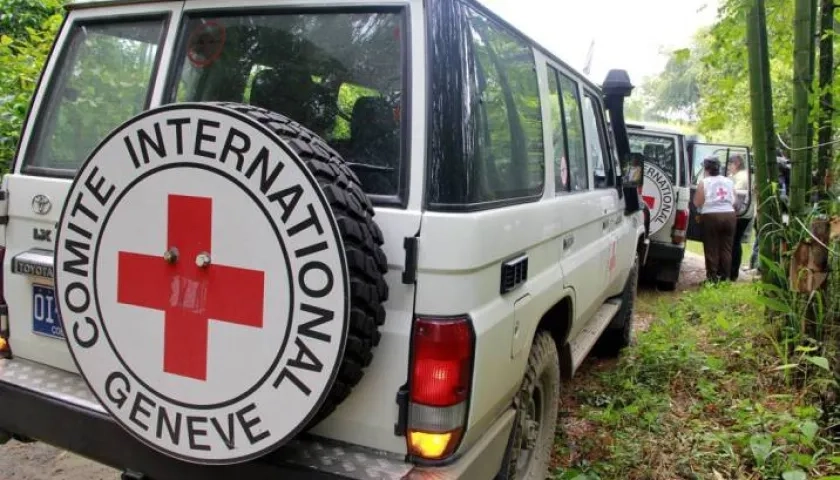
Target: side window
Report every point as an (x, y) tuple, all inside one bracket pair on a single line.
[(570, 101), (104, 79), (562, 182), (596, 143), (511, 158)]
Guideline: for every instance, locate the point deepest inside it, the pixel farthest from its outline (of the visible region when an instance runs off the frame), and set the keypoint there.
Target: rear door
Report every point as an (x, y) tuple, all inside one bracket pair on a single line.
[(101, 74), (611, 214), (663, 172), (739, 172)]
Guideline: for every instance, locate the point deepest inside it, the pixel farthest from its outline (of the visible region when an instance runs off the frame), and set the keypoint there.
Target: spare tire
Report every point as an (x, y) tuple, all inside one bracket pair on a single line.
[(220, 277), (362, 239)]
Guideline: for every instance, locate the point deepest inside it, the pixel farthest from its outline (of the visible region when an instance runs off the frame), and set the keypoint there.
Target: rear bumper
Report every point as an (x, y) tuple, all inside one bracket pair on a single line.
[(56, 407), (666, 252)]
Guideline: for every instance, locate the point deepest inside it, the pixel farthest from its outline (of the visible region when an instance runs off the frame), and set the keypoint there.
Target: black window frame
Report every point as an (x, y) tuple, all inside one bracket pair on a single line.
[(577, 94), (606, 150), (71, 26), (553, 74), (398, 200), (450, 83)]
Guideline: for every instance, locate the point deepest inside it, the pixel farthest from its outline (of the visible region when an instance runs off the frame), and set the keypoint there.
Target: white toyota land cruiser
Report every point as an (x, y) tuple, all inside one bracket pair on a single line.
[(310, 239)]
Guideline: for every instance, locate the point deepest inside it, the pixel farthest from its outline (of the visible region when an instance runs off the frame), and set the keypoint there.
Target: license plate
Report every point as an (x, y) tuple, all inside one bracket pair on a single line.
[(45, 319)]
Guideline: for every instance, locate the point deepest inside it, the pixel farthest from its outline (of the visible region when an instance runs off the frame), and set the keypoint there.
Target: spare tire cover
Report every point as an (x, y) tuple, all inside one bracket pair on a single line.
[(660, 196), (203, 282)]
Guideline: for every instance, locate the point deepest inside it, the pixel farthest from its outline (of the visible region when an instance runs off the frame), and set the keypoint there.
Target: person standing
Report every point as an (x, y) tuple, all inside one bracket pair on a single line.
[(740, 177), (715, 201)]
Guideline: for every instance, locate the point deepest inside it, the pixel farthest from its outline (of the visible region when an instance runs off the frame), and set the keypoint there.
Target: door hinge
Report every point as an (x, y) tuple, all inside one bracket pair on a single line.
[(402, 412), (410, 245)]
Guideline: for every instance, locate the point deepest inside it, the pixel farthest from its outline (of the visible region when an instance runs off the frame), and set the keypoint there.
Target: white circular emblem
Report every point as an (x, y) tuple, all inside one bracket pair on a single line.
[(202, 284), (658, 194)]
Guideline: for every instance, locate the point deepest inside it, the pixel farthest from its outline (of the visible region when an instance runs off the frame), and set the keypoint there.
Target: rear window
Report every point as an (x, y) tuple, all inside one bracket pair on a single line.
[(659, 151), (102, 79), (338, 74)]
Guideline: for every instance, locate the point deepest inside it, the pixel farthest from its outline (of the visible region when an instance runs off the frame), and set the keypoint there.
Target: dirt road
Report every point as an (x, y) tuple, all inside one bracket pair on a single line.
[(41, 462)]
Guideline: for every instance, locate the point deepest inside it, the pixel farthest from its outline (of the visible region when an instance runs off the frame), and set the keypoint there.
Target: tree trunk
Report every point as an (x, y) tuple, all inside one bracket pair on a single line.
[(825, 151), (802, 82), (763, 133), (812, 56)]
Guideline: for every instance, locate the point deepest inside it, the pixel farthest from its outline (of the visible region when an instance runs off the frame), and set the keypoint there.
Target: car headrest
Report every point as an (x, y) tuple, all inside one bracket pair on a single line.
[(373, 119), (289, 92)]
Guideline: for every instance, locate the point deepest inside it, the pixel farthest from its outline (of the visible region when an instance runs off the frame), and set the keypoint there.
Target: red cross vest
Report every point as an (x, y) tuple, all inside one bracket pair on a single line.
[(720, 194)]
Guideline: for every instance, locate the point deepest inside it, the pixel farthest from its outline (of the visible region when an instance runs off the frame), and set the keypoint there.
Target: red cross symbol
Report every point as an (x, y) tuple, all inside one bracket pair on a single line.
[(721, 193), (190, 295), (612, 258), (650, 201)]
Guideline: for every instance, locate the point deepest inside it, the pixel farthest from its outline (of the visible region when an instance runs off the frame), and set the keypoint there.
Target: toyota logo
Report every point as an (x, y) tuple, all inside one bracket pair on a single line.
[(41, 204)]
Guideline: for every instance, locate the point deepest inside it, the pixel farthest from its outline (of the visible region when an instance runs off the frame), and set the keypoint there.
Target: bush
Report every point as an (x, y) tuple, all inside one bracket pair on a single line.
[(27, 31)]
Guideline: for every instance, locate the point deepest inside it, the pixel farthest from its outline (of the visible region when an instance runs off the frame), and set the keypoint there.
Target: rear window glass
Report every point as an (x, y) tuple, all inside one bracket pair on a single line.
[(659, 151), (338, 74), (102, 80)]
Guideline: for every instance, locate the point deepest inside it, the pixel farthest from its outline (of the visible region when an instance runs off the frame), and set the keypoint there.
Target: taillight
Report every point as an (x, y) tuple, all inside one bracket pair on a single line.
[(680, 226), (439, 387), (5, 350)]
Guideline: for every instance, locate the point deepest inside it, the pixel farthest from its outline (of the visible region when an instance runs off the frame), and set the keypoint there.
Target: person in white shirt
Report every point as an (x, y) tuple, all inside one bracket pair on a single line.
[(715, 199), (740, 177), (738, 172)]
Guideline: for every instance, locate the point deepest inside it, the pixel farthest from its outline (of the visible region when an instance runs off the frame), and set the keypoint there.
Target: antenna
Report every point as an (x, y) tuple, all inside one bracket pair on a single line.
[(589, 55)]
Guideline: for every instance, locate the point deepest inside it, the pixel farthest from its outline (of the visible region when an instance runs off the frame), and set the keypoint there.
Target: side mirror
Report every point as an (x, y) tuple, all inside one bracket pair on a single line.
[(616, 88), (634, 169)]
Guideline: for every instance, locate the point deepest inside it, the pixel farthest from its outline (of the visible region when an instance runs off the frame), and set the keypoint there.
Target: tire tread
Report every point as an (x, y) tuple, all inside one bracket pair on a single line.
[(362, 240)]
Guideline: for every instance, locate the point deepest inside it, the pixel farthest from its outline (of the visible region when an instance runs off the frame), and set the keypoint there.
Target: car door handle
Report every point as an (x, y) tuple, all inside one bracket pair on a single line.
[(568, 242), (606, 224)]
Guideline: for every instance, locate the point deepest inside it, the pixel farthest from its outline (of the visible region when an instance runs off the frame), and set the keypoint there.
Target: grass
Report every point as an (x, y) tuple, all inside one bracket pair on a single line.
[(697, 247), (700, 395)]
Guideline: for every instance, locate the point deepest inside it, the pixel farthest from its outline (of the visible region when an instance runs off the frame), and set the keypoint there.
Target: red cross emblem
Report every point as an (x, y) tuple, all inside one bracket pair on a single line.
[(613, 260), (721, 193), (190, 293), (650, 201)]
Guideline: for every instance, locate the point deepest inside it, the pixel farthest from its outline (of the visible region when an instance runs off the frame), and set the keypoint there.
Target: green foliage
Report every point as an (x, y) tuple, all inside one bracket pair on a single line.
[(702, 394), (27, 30), (725, 77), (18, 16), (676, 92)]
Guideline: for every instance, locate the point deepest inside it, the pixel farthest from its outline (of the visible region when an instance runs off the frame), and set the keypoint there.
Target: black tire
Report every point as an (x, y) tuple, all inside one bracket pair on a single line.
[(619, 334), (540, 391), (362, 239), (666, 286)]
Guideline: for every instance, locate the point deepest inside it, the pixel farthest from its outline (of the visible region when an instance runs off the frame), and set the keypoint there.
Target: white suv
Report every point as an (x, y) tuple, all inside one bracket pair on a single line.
[(666, 195), (449, 235)]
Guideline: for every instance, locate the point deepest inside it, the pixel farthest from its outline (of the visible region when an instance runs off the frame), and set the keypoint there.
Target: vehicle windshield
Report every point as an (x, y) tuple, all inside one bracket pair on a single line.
[(659, 151), (103, 78), (338, 74)]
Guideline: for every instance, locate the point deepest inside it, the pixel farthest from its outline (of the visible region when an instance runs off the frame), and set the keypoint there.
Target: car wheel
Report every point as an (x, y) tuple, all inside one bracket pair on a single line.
[(532, 438), (620, 332)]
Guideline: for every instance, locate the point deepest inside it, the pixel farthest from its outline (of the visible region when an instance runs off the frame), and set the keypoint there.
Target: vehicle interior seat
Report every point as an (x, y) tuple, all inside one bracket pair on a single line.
[(293, 93), (375, 143)]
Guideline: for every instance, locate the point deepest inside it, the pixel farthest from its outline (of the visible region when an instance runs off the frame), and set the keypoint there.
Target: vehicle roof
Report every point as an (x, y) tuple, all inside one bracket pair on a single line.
[(77, 4)]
